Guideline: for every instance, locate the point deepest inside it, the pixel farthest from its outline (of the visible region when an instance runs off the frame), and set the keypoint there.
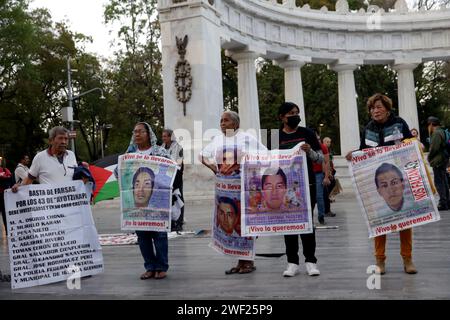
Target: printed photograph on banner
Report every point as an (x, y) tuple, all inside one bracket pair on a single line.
[(51, 232), (146, 191), (228, 161), (393, 189), (226, 222), (275, 190)]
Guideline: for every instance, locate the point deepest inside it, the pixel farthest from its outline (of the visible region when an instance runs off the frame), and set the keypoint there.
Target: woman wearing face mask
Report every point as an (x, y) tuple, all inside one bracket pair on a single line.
[(291, 135)]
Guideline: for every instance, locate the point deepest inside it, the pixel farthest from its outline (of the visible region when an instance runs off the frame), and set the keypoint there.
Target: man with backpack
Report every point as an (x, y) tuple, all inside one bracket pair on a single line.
[(438, 159)]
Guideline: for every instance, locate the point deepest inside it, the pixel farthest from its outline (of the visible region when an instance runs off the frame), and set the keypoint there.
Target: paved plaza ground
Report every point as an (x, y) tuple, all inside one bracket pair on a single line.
[(197, 271)]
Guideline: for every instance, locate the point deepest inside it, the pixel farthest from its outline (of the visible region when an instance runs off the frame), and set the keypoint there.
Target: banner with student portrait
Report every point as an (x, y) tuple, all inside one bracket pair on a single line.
[(392, 188), (226, 231), (275, 187), (52, 236), (146, 192)]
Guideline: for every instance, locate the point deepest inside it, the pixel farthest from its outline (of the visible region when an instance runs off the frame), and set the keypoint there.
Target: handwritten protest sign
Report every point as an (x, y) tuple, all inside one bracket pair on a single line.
[(226, 237), (51, 234), (146, 192), (275, 187), (392, 188)]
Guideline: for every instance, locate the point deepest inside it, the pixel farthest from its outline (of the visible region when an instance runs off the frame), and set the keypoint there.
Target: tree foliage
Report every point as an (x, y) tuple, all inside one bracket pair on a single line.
[(33, 80), (32, 56), (135, 73)]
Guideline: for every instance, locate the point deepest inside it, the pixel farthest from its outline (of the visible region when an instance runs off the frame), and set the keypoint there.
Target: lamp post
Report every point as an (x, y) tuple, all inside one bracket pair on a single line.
[(67, 113), (320, 129), (103, 127)]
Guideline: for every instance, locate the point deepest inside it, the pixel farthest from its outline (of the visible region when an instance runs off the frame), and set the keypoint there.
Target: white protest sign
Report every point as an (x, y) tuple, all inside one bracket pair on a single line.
[(392, 188), (51, 231), (146, 192), (275, 193)]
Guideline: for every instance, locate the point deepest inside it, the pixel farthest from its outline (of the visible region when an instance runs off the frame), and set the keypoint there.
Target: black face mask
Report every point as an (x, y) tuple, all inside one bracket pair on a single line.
[(293, 121)]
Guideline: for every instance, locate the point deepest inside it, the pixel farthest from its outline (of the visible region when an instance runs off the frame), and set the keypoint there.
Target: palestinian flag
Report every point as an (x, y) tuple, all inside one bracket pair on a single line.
[(103, 172)]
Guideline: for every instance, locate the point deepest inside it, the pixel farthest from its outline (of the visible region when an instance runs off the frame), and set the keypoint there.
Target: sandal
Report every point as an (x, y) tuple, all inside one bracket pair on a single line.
[(148, 275), (160, 275), (247, 268), (233, 270)]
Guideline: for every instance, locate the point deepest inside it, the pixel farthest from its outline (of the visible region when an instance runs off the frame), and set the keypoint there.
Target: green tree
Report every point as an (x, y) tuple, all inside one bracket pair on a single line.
[(28, 98), (90, 110), (135, 73), (229, 83), (33, 53)]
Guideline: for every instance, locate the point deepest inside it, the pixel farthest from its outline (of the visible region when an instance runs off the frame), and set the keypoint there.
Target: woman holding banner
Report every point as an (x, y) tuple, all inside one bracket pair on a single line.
[(153, 245), (386, 129), (290, 136), (223, 162)]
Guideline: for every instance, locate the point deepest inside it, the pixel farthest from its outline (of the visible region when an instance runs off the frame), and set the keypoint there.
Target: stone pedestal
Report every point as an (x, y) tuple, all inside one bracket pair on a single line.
[(200, 21)]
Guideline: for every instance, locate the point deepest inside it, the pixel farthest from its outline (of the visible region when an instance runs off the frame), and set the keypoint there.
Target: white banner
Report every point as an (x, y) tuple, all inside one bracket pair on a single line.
[(146, 192), (51, 234), (392, 188), (275, 189), (226, 235)]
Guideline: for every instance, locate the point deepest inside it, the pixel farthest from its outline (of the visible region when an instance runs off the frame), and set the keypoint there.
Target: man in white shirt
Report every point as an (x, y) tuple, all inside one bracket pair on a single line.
[(22, 169), (53, 165)]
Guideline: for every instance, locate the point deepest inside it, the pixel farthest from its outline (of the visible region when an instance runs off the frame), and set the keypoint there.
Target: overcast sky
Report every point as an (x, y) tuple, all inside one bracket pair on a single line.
[(86, 16)]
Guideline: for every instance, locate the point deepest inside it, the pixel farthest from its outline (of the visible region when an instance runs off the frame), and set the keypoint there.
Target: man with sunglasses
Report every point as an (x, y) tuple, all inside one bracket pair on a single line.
[(53, 165)]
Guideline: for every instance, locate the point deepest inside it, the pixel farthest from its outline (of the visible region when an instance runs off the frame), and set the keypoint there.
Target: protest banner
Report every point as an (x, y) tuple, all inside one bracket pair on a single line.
[(146, 192), (226, 236), (392, 188), (275, 187), (51, 234)]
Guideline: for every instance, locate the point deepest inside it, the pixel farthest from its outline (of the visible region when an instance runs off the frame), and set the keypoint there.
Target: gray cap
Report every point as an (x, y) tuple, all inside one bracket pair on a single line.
[(434, 121)]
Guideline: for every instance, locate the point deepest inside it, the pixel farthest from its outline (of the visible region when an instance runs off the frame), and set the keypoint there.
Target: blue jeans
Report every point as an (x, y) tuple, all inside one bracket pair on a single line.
[(154, 261), (319, 194)]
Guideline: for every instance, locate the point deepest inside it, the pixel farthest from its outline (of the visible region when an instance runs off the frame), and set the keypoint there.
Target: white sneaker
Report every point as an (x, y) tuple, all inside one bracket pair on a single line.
[(311, 268), (292, 270)]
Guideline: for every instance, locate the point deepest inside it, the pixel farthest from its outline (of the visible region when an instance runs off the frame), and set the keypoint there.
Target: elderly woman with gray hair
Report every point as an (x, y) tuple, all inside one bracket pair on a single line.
[(215, 157)]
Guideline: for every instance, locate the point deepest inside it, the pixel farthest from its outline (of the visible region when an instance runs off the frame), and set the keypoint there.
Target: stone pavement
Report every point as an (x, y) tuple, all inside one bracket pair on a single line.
[(197, 271)]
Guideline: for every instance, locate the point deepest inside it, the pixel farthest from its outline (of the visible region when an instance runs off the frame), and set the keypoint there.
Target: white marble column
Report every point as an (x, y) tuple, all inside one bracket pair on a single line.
[(348, 108), (247, 90), (407, 107), (293, 88)]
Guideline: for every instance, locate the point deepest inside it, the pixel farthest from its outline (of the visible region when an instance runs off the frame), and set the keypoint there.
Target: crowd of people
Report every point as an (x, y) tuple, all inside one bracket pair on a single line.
[(57, 164)]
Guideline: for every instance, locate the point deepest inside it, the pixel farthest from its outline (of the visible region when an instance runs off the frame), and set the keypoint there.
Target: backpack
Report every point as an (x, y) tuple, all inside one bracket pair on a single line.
[(447, 142)]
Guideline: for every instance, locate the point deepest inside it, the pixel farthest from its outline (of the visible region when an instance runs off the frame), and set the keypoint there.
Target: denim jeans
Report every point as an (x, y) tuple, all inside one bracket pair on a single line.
[(319, 194), (154, 249), (440, 180)]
